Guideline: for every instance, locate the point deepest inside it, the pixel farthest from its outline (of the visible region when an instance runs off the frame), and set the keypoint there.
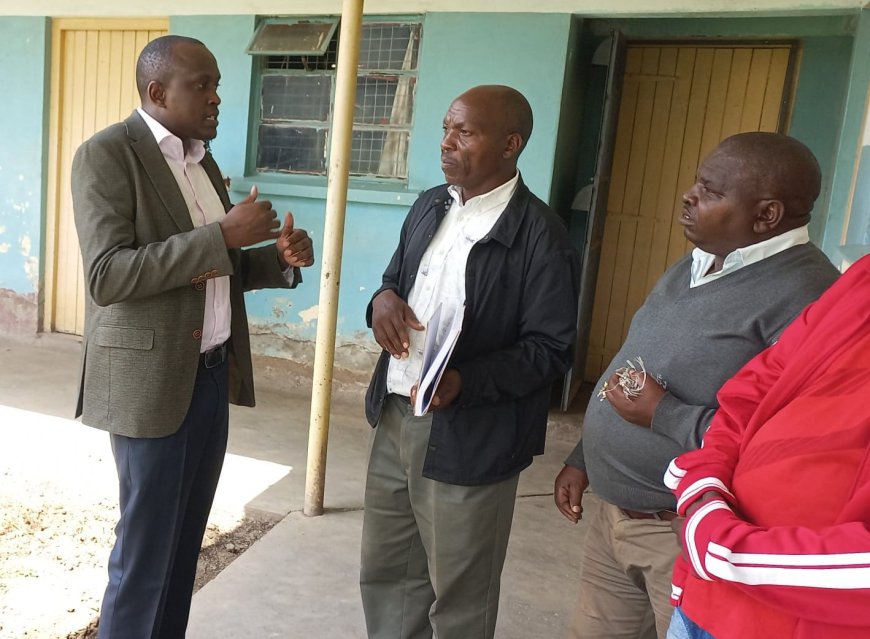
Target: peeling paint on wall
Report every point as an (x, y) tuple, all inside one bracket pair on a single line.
[(309, 314), (31, 269), (18, 313)]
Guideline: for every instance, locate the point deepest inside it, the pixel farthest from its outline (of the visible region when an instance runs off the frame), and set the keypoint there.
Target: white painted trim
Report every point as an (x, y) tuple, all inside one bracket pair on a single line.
[(590, 8)]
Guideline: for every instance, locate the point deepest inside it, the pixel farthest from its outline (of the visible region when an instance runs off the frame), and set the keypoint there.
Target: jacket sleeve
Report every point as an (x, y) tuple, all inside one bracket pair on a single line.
[(684, 423), (819, 575), (391, 276), (547, 328), (259, 268), (116, 267)]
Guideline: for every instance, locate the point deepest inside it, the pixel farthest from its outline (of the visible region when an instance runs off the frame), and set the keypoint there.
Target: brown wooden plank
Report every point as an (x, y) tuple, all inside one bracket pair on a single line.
[(647, 214), (668, 203), (600, 307), (619, 312), (756, 82), (736, 97), (773, 94)]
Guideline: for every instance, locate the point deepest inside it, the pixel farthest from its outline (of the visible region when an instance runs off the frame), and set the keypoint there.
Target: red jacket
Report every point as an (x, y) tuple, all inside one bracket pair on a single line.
[(785, 551)]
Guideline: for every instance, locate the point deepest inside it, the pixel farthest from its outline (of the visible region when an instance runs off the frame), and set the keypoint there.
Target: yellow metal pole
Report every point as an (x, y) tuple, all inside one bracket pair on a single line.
[(333, 235)]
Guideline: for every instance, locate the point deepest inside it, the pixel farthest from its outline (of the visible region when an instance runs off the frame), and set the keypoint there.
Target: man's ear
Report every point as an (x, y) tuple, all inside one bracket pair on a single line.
[(513, 146), (769, 216), (156, 93)]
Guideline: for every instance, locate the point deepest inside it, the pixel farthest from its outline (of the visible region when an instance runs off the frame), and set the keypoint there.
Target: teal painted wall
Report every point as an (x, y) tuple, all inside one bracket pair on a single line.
[(859, 226), (820, 99), (22, 172), (840, 222), (525, 51)]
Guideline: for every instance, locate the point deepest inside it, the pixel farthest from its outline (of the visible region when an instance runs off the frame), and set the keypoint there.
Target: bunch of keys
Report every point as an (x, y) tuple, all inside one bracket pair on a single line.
[(631, 379)]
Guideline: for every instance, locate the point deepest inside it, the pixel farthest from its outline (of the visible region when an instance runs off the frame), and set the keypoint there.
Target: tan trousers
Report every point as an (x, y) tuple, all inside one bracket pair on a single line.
[(625, 576), (432, 553)]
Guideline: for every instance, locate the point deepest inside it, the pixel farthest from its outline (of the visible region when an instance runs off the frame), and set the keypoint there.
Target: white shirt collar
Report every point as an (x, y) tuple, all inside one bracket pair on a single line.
[(170, 144), (498, 195), (702, 261)]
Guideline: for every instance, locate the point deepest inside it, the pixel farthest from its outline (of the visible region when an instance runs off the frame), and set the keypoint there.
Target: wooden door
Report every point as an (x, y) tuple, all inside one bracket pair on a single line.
[(678, 103), (93, 85)]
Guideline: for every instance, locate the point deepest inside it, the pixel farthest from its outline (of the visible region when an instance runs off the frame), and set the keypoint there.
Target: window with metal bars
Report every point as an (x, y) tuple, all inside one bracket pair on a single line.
[(297, 93)]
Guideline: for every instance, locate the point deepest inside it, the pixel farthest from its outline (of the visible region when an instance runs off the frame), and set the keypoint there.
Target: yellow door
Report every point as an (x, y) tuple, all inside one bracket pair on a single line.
[(678, 102), (93, 85)]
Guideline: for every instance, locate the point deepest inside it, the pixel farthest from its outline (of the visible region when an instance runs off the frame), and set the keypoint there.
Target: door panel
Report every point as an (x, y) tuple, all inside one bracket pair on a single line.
[(678, 103), (93, 85)]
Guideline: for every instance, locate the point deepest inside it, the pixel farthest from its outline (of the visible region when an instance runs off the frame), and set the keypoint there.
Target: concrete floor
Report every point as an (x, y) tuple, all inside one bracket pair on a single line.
[(301, 579)]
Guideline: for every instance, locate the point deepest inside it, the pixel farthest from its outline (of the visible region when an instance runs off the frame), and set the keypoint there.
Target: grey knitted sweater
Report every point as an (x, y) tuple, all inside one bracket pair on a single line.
[(695, 339)]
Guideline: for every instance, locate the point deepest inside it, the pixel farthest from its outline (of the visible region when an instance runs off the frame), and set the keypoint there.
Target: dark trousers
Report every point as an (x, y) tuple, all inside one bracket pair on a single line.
[(167, 486)]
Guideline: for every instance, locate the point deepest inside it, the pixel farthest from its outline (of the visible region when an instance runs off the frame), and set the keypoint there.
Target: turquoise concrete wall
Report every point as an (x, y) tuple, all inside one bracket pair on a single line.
[(859, 223), (23, 131), (820, 100), (843, 226), (525, 51)]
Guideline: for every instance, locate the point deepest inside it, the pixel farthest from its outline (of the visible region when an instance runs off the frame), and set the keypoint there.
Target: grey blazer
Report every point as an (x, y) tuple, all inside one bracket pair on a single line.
[(145, 269)]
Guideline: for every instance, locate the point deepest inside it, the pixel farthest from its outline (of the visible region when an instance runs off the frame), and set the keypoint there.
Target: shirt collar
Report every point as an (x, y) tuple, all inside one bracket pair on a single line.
[(170, 144), (499, 195), (744, 256)]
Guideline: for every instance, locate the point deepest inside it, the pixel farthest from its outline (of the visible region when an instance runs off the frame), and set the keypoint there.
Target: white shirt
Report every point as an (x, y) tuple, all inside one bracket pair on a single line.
[(441, 275), (205, 207), (703, 261)]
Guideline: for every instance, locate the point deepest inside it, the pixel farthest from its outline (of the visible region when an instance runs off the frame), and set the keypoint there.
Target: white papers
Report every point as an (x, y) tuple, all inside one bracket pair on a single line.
[(441, 336)]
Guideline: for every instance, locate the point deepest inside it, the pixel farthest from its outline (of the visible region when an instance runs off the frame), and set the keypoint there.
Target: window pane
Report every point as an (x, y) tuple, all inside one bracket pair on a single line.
[(325, 62), (298, 38), (389, 46), (291, 149), (381, 153), (384, 101), (296, 97)]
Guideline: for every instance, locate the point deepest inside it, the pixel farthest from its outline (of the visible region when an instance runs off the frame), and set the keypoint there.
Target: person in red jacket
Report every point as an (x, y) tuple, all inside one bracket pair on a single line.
[(776, 535)]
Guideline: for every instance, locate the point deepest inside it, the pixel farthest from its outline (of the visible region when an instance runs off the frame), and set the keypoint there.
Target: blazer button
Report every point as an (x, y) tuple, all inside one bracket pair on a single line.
[(197, 334), (199, 286)]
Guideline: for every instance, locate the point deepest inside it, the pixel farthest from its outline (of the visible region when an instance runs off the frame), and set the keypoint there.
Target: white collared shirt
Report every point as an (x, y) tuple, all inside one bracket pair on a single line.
[(441, 275), (703, 261), (205, 207)]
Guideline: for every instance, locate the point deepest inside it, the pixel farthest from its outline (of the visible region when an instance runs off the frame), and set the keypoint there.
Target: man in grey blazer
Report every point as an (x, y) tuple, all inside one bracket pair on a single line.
[(166, 344)]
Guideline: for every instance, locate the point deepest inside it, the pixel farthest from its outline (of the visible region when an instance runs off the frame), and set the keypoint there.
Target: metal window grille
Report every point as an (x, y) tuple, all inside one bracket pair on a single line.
[(298, 92)]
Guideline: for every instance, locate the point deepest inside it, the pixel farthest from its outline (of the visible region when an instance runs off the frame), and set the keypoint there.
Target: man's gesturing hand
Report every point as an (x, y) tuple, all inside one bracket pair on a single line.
[(249, 222), (568, 492), (391, 318), (294, 246)]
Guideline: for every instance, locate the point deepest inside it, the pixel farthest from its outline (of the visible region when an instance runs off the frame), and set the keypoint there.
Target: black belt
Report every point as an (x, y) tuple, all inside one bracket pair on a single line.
[(213, 357)]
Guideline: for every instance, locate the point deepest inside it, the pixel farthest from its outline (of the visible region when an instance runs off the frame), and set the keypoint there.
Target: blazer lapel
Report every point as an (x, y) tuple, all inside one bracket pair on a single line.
[(145, 147)]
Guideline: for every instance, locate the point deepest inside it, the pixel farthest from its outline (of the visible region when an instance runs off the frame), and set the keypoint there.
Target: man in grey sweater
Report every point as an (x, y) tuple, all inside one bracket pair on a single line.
[(752, 272)]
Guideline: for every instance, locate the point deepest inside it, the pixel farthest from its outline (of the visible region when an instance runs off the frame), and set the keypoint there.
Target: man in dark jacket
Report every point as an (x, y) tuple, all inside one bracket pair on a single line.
[(441, 487)]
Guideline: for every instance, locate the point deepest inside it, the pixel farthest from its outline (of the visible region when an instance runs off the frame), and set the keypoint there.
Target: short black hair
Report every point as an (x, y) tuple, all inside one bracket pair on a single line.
[(782, 168), (156, 58)]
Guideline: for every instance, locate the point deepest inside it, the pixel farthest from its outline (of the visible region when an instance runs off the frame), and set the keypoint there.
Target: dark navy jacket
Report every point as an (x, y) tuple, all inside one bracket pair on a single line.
[(518, 333)]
